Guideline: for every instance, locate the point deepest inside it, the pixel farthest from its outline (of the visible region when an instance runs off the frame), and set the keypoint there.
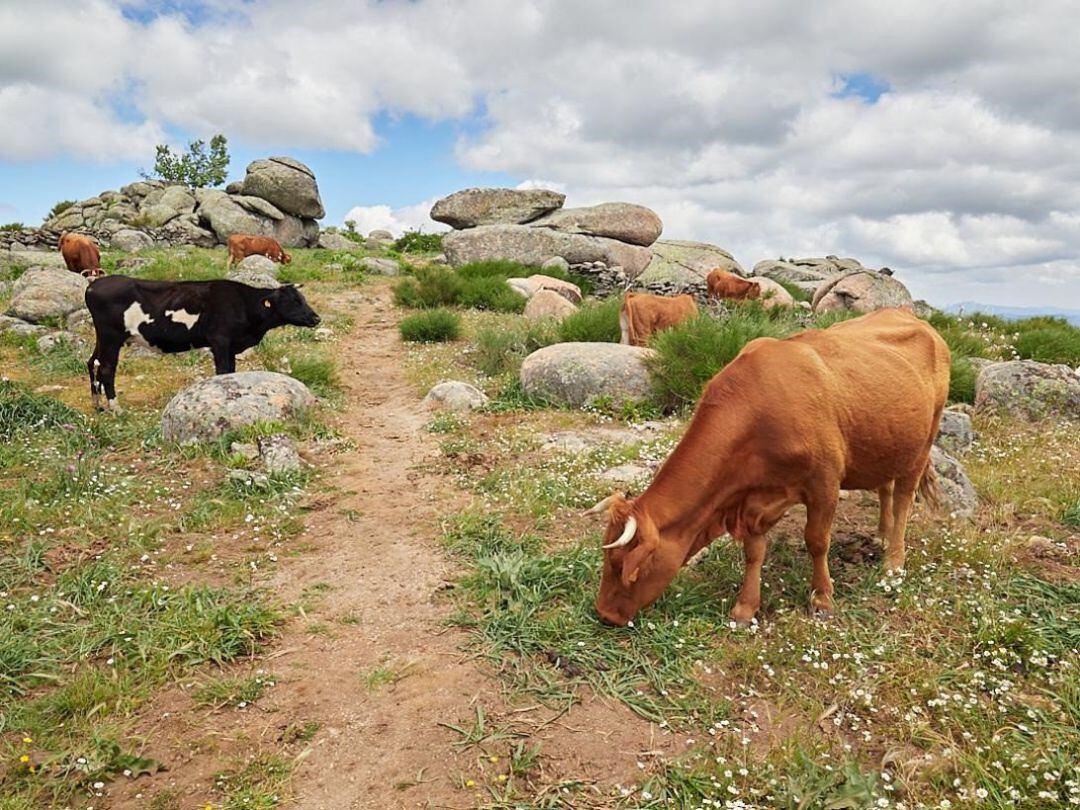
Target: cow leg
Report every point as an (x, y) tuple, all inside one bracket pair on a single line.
[(885, 516), (819, 520), (92, 366), (224, 359), (107, 357), (749, 599), (903, 497)]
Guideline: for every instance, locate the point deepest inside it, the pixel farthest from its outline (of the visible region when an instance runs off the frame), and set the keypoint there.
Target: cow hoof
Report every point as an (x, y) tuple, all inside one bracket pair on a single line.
[(821, 614)]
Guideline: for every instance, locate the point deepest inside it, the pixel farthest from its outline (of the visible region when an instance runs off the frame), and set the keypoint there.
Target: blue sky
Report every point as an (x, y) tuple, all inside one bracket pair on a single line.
[(942, 140), (414, 161)]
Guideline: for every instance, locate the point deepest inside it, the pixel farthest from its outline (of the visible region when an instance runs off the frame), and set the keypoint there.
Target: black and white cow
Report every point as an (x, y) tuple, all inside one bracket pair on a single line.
[(176, 316)]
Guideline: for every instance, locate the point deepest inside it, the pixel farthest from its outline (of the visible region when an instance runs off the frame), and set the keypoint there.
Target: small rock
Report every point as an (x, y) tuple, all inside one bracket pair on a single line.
[(625, 474), (1042, 546), (329, 240), (565, 442), (456, 395), (16, 326), (521, 286), (382, 267), (381, 236), (548, 304), (133, 263), (955, 434), (259, 265), (278, 453), (556, 263), (130, 240), (51, 340), (957, 493), (48, 389), (248, 450), (571, 292), (249, 478)]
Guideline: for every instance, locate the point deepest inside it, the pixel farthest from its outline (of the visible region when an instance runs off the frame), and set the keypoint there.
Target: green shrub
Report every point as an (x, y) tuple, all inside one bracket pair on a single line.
[(1048, 340), (689, 354), (417, 242), (436, 326), (440, 287), (796, 292), (492, 294), (962, 376), (317, 373), (21, 410), (593, 322), (500, 349), (12, 226)]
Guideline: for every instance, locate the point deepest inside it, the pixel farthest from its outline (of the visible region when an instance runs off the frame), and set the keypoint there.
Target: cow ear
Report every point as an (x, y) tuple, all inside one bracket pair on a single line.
[(639, 557)]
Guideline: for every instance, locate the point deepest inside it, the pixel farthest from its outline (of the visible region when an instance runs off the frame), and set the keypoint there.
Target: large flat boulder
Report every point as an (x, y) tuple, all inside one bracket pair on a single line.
[(860, 291), (17, 257), (626, 222), (1029, 389), (495, 206), (43, 293), (578, 373), (533, 246), (286, 183), (680, 262), (210, 408)]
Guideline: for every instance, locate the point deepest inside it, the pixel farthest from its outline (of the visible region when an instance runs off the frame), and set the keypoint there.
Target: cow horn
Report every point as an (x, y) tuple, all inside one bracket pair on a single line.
[(626, 536), (600, 507)]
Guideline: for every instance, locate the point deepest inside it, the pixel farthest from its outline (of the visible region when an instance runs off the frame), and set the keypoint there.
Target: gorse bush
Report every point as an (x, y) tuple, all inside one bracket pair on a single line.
[(417, 242), (437, 326), (593, 322)]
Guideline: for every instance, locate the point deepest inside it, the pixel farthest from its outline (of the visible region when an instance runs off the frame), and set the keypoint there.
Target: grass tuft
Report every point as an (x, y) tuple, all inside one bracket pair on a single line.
[(436, 326)]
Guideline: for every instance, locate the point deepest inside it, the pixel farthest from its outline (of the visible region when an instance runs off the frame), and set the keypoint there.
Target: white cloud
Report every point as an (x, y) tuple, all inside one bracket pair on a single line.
[(721, 117), (396, 220)]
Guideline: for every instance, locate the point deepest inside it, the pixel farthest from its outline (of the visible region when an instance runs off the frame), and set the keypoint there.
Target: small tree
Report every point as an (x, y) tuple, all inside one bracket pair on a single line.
[(198, 168)]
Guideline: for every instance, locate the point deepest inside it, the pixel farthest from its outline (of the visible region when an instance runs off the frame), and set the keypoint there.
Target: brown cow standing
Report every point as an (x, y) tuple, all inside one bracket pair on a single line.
[(854, 406), (241, 246), (723, 284), (80, 254), (643, 314)]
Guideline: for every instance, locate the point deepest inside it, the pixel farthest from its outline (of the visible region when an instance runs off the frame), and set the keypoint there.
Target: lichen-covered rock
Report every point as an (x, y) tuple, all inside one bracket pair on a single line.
[(471, 207), (50, 340), (288, 184), (456, 395), (46, 292), (383, 267), (626, 222), (534, 246), (808, 273), (681, 263), (536, 282), (577, 373), (860, 291), (1029, 389), (954, 487), (955, 433), (556, 263), (32, 258), (625, 474), (278, 453), (772, 293), (380, 235), (207, 409), (258, 264), (130, 240), (330, 240), (17, 326), (547, 304)]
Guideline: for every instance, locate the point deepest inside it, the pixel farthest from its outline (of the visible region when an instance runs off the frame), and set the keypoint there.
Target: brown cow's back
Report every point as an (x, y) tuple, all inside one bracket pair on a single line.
[(643, 314), (80, 253)]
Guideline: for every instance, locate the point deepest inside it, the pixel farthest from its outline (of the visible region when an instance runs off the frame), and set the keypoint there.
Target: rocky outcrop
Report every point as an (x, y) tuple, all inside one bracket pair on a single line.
[(1029, 389), (456, 395), (534, 246), (578, 373), (683, 265), (528, 287), (287, 184), (43, 293), (547, 304), (278, 197), (131, 241), (495, 206), (860, 291), (807, 273), (626, 222), (773, 294), (207, 409)]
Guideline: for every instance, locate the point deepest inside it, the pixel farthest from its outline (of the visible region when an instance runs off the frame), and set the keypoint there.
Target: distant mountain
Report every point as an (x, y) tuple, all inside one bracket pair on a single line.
[(1015, 313)]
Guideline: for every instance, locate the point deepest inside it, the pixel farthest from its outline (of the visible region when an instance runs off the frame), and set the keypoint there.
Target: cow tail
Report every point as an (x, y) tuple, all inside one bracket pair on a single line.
[(928, 487)]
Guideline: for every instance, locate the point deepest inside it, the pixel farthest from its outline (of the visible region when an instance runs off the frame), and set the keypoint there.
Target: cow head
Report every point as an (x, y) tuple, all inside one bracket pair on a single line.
[(291, 307), (638, 563), (285, 257)]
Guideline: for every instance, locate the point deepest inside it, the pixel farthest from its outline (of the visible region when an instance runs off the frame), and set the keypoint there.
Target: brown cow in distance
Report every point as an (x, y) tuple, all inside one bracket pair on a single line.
[(854, 406), (81, 254), (642, 314), (723, 284), (242, 245)]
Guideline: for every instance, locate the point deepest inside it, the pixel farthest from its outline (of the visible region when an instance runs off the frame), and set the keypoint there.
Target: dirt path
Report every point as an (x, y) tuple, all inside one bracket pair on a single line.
[(373, 662)]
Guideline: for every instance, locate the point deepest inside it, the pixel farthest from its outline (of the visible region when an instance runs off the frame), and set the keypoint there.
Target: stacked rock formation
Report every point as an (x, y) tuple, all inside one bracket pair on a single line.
[(531, 227)]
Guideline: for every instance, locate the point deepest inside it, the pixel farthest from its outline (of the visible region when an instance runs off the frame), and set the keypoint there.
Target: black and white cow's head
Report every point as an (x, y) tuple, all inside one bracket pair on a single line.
[(289, 304)]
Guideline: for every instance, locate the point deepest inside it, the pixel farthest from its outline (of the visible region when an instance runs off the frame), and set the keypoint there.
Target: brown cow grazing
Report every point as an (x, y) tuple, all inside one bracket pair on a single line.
[(81, 254), (854, 406), (241, 246), (725, 285), (643, 314)]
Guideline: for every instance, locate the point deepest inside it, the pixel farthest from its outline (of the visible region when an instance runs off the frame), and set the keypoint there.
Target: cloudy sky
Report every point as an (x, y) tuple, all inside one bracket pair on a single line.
[(939, 138)]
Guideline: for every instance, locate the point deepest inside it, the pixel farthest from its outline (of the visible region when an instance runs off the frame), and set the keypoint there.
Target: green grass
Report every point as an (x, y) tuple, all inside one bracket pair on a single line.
[(236, 692), (435, 326), (794, 290), (500, 348), (260, 784), (593, 322)]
